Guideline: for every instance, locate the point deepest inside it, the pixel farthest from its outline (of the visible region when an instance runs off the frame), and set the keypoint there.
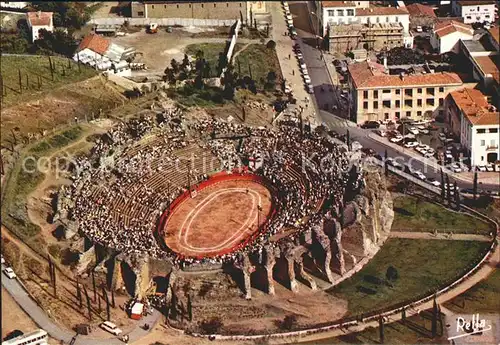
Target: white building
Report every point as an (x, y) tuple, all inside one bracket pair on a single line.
[(13, 4), (360, 12), (475, 11), (446, 36), (38, 21), (98, 52), (476, 122)]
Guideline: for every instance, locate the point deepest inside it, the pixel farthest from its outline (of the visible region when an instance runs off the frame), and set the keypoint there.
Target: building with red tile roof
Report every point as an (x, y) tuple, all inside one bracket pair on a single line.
[(476, 122), (417, 10), (39, 21), (96, 43), (377, 95), (447, 34)]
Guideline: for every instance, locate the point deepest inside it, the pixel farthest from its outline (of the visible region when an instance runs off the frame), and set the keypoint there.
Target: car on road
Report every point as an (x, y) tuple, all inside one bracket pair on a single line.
[(413, 130), (307, 79), (111, 328), (410, 144), (3, 260), (381, 132), (299, 55), (310, 89), (396, 139), (481, 168), (419, 29), (9, 272), (433, 182), (455, 167), (490, 168), (420, 175), (442, 136), (368, 124), (293, 32), (391, 161)]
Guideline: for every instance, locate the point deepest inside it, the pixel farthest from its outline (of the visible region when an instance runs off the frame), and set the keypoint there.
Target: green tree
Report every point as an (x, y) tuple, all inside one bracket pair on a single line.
[(175, 66), (289, 322), (391, 273)]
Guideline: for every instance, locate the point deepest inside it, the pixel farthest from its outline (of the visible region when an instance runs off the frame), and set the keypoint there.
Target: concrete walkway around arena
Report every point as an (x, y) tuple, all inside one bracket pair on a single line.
[(439, 236)]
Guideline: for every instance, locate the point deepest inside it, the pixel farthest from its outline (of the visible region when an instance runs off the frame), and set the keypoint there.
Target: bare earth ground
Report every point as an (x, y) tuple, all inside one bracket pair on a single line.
[(60, 107), (159, 49), (218, 218)]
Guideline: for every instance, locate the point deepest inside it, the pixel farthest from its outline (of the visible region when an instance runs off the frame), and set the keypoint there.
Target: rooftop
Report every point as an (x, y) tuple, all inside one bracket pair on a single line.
[(474, 46), (369, 74), (447, 27), (94, 42), (380, 11), (39, 18), (338, 4), (474, 105), (490, 65), (417, 9), (495, 33), (475, 2)]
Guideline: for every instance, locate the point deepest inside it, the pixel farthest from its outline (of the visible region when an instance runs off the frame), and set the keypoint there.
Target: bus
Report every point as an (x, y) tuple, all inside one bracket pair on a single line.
[(39, 337)]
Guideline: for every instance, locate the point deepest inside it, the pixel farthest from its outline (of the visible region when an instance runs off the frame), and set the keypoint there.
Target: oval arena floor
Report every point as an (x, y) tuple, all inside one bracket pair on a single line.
[(218, 218)]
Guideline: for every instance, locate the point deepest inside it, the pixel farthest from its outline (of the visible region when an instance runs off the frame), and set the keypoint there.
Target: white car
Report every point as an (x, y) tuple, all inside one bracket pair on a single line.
[(442, 136), (300, 56), (481, 168), (419, 29), (431, 151), (381, 132), (111, 328), (9, 272), (391, 161), (421, 127), (307, 79), (396, 139), (411, 144), (434, 182), (455, 168), (3, 260), (413, 130), (420, 175), (490, 168), (425, 131)]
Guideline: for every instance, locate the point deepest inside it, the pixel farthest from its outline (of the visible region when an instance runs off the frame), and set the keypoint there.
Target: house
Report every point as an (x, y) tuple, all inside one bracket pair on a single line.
[(475, 11), (13, 4), (476, 123), (421, 15), (38, 21), (447, 34), (347, 12), (98, 52), (194, 9), (378, 95)]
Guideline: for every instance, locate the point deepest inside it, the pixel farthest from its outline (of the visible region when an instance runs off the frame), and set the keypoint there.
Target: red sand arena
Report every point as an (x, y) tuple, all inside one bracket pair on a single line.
[(220, 216)]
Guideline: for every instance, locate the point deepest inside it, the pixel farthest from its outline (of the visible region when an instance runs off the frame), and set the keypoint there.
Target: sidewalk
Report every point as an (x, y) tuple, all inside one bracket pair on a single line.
[(290, 66)]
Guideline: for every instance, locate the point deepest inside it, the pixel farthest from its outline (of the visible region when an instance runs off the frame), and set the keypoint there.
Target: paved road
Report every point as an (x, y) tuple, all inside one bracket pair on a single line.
[(40, 317), (320, 77), (439, 236)]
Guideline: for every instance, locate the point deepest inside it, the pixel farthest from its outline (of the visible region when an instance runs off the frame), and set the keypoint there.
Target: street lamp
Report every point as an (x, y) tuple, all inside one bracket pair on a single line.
[(317, 28)]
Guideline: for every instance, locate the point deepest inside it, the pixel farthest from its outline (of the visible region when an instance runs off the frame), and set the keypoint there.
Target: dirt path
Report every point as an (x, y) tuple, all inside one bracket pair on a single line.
[(439, 236), (38, 202), (241, 50)]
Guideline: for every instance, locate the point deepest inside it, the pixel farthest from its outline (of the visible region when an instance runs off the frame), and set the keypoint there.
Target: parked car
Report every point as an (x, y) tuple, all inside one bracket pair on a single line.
[(111, 328), (413, 130), (3, 260), (411, 144), (455, 167), (307, 79), (481, 168), (396, 139), (420, 175), (310, 89), (381, 132), (391, 161), (434, 182), (442, 136), (368, 124), (490, 168), (9, 272), (419, 29)]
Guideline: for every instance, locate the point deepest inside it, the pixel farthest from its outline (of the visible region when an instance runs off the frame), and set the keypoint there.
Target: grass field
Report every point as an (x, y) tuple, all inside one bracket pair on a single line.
[(423, 266), (255, 60), (412, 214), (482, 298), (37, 68)]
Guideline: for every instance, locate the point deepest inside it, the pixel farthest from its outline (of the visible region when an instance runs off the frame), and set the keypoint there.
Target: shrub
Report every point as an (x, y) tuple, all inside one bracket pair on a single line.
[(271, 44), (392, 273), (289, 322), (211, 326)]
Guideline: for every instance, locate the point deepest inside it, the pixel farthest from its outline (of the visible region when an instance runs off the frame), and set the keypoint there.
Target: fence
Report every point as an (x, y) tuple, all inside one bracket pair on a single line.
[(163, 21)]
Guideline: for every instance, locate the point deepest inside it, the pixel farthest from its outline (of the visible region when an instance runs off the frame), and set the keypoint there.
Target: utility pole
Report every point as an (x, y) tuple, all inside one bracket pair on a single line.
[(474, 187), (88, 302), (93, 285), (381, 329), (435, 312)]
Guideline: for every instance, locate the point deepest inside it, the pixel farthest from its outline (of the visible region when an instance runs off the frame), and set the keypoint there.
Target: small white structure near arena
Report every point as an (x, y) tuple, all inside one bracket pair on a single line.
[(103, 55)]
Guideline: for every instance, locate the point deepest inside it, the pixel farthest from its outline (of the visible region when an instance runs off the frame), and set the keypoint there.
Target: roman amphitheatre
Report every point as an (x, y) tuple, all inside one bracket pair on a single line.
[(229, 227)]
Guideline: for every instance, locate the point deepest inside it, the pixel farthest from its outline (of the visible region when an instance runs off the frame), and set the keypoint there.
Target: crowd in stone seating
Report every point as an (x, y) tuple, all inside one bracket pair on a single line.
[(115, 206)]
